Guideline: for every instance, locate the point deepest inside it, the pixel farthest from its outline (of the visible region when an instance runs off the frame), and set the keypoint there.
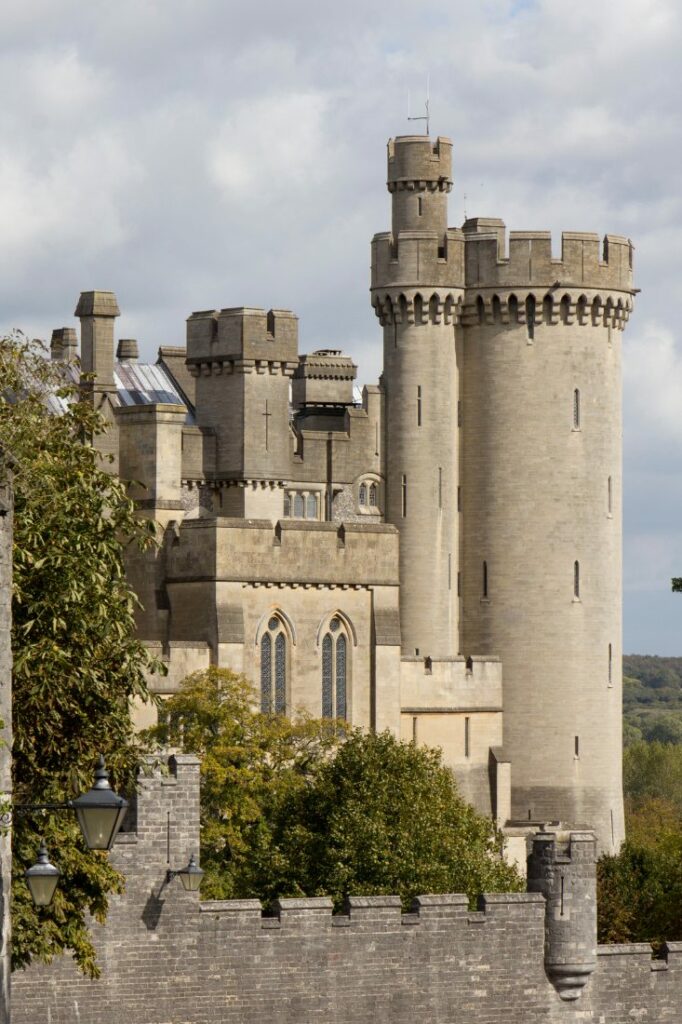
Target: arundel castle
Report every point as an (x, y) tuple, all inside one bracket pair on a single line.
[(438, 555)]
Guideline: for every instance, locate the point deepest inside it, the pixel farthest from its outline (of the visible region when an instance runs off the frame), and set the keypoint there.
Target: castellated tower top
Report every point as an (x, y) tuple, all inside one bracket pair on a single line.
[(419, 179), (414, 161)]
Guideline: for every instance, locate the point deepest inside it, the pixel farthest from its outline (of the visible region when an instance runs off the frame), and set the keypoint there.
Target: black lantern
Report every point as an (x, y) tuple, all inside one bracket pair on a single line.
[(42, 878), (190, 876), (100, 811)]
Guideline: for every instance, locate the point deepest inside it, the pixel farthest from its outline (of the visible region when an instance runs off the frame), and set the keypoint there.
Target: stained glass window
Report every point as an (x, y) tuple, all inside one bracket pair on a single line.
[(266, 674), (341, 677), (280, 673), (334, 671), (327, 682)]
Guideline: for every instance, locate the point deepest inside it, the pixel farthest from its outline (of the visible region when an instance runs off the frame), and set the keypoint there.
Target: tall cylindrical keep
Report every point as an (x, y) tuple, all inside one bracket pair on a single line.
[(541, 508), (417, 287)]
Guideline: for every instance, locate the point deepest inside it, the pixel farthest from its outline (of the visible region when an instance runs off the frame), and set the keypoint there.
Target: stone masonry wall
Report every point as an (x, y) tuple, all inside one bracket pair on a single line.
[(168, 958)]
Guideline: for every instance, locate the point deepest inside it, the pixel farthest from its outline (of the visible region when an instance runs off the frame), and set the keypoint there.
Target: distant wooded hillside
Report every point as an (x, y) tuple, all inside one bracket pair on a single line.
[(652, 698)]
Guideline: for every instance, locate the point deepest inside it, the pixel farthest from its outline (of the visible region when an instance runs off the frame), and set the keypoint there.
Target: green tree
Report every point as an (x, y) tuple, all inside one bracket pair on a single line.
[(77, 663), (640, 889), (250, 764), (309, 807), (381, 817)]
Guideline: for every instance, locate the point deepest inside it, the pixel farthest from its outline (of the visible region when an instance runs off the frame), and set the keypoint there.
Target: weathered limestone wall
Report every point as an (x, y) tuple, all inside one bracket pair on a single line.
[(541, 504), (168, 957), (456, 704)]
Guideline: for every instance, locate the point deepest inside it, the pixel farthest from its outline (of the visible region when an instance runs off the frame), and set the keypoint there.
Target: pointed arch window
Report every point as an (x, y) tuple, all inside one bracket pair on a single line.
[(273, 668), (362, 494), (335, 671), (373, 496)]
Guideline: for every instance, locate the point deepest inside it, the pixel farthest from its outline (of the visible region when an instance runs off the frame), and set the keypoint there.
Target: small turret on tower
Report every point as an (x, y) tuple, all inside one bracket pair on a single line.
[(417, 287)]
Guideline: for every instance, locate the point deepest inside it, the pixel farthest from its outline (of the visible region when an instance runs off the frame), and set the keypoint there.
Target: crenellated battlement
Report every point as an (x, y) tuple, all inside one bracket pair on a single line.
[(585, 263), (242, 340), (414, 258)]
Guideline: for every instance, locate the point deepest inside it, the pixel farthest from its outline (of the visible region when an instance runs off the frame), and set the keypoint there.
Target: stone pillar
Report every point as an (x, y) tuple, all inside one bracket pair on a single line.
[(562, 866)]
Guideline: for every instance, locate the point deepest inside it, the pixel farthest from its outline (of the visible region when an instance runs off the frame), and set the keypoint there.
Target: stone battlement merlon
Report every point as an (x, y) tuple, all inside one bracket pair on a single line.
[(586, 261)]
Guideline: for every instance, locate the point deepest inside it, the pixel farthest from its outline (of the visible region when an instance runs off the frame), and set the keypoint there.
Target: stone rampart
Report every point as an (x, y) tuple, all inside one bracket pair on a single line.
[(168, 958)]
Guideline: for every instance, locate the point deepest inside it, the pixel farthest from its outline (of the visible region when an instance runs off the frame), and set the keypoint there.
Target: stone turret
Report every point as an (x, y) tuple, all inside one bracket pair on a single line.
[(243, 360), (417, 288), (562, 866)]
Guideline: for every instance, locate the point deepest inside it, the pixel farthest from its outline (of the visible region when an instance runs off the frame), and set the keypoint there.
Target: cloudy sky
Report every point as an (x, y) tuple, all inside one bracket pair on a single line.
[(190, 154)]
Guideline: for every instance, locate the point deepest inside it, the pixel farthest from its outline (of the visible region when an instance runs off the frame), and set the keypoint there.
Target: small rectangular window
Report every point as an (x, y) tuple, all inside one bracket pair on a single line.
[(576, 580), (485, 579), (610, 665), (404, 494), (440, 487), (414, 730), (419, 405), (459, 584), (459, 499), (577, 746), (467, 736), (610, 496), (419, 205), (576, 409)]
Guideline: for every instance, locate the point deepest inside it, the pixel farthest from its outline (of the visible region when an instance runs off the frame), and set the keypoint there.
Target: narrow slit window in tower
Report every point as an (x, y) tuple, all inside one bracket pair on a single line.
[(576, 409), (440, 487), (610, 496), (610, 665), (467, 736), (414, 730), (419, 405), (404, 494), (576, 746), (485, 579), (419, 205), (459, 584), (459, 499), (459, 414), (449, 570), (576, 580)]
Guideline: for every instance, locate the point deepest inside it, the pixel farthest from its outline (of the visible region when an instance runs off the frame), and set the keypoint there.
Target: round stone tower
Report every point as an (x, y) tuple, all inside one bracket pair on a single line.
[(417, 291), (541, 509)]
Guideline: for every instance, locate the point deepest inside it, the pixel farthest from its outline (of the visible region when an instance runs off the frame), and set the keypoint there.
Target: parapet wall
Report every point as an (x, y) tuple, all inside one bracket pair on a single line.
[(585, 261), (256, 551), (166, 956)]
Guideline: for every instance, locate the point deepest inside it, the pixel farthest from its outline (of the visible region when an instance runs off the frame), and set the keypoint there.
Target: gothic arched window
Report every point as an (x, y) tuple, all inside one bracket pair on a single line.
[(362, 494), (372, 495), (335, 671), (273, 668)]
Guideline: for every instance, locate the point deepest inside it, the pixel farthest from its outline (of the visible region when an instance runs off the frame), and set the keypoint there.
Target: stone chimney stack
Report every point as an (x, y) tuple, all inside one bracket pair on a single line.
[(127, 350), (64, 345), (97, 312)]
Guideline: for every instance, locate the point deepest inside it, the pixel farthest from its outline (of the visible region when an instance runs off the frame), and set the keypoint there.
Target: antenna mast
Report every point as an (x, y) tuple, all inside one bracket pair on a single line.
[(422, 117)]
